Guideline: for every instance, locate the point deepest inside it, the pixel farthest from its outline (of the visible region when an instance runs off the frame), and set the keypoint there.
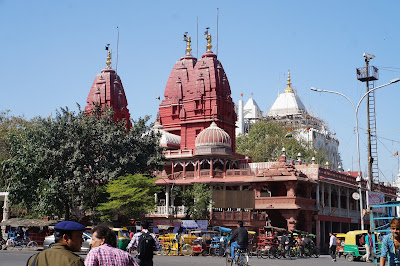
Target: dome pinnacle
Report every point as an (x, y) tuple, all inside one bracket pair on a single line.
[(108, 59), (188, 41), (289, 89), (208, 38), (108, 56)]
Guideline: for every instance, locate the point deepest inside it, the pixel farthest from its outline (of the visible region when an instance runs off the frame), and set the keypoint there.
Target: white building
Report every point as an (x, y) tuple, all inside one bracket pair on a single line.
[(289, 109), (247, 115)]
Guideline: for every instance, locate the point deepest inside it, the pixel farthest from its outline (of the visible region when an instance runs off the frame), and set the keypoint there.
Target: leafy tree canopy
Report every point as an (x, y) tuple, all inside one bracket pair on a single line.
[(197, 200), (131, 196), (8, 124), (265, 141), (62, 162)]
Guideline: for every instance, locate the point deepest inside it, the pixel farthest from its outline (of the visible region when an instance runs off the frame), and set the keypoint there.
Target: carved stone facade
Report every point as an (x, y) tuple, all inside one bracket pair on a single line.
[(197, 93)]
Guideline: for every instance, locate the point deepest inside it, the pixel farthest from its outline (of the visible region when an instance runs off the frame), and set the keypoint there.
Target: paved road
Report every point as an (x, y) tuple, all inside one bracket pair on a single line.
[(15, 258)]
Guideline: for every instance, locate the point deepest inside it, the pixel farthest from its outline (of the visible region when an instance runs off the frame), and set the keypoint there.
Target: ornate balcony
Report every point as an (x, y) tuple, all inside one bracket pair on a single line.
[(284, 203), (174, 211)]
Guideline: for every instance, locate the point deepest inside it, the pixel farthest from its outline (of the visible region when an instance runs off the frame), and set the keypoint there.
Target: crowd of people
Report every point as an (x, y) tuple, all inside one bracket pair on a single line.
[(104, 251)]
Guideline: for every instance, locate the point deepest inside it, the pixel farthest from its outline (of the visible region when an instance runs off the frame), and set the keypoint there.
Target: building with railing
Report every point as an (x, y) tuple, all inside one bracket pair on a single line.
[(197, 123), (286, 194)]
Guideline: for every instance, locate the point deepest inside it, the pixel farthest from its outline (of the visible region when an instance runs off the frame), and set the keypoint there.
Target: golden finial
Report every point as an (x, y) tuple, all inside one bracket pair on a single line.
[(208, 38), (188, 41), (108, 56), (108, 59), (288, 89)]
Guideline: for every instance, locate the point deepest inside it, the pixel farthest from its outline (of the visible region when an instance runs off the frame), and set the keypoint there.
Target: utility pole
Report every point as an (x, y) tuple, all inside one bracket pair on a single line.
[(370, 158), (367, 75)]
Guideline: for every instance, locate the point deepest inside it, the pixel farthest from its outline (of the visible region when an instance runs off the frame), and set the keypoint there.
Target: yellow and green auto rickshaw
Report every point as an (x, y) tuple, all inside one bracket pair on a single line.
[(353, 247), (123, 238), (353, 244)]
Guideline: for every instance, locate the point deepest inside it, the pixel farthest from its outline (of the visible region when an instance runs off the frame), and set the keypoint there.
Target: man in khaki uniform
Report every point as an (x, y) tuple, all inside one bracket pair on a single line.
[(68, 238)]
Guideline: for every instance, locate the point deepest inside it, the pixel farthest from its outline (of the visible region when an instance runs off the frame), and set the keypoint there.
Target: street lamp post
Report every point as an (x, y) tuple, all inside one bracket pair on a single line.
[(359, 179)]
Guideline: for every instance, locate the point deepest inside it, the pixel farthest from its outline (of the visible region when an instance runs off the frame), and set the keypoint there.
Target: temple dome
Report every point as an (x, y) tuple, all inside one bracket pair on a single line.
[(168, 140), (213, 136), (287, 103)]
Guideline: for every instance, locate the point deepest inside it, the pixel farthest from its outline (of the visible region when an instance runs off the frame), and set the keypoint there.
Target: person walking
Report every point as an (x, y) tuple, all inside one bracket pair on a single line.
[(145, 243), (103, 250), (68, 239), (368, 246), (179, 239), (283, 242), (332, 246), (390, 250), (239, 239)]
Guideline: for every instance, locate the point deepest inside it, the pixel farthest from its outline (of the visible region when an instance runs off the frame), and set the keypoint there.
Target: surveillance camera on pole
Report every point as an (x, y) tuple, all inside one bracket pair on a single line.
[(368, 56)]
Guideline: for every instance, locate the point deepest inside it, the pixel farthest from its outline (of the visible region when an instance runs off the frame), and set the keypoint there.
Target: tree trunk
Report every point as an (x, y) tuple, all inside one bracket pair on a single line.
[(66, 214)]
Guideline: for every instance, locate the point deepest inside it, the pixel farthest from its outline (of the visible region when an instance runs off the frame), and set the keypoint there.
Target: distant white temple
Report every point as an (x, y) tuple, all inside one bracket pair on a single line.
[(289, 109)]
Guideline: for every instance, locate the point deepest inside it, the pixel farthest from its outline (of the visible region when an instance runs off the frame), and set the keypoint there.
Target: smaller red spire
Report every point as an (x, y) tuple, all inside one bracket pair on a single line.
[(107, 91)]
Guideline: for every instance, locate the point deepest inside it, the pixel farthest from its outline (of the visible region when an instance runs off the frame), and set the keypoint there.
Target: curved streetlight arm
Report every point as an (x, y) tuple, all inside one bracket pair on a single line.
[(335, 92), (373, 89), (358, 141), (358, 148)]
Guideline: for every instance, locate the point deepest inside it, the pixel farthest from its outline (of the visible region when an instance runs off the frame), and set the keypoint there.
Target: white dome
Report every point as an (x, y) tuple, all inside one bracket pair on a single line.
[(288, 103), (167, 139)]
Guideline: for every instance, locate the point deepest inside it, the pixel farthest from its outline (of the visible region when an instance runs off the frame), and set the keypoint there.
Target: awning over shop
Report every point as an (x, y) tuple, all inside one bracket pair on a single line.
[(15, 222), (189, 224), (164, 226)]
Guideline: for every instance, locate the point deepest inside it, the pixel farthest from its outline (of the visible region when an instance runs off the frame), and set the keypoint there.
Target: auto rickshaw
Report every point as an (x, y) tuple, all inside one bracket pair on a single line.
[(123, 238), (353, 246), (340, 244), (353, 249)]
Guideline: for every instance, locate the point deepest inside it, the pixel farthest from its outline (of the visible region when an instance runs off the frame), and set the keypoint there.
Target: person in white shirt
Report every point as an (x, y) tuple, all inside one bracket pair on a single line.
[(332, 246)]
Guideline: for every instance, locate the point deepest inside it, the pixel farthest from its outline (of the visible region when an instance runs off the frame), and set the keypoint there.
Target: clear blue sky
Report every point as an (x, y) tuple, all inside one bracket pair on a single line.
[(52, 50)]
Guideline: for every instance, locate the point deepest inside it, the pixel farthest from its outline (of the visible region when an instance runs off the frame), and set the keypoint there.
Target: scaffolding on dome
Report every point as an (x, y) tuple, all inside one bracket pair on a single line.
[(295, 121)]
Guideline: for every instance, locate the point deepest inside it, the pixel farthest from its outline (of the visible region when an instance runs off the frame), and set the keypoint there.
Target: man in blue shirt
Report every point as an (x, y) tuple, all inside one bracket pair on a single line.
[(391, 245)]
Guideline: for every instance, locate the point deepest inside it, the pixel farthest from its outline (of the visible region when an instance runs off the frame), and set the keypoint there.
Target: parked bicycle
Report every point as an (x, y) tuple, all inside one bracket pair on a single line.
[(311, 251), (3, 243), (286, 251), (22, 243)]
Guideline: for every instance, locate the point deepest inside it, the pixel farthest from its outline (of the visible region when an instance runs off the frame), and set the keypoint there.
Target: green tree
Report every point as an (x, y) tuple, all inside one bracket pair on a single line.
[(8, 124), (63, 162), (197, 200), (131, 196), (265, 141)]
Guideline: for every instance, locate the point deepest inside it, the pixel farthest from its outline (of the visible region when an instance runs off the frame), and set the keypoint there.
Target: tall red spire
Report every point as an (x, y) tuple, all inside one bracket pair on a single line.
[(107, 90), (197, 93)]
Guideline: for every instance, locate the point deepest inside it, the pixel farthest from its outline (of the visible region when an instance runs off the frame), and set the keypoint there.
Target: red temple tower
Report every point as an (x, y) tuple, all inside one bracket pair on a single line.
[(197, 93), (107, 91)]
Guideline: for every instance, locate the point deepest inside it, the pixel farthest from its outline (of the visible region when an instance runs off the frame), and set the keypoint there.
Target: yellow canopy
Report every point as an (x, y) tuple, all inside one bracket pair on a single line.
[(352, 235)]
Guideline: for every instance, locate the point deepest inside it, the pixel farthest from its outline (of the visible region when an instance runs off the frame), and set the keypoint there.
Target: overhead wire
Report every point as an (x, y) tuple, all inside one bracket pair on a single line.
[(379, 167)]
